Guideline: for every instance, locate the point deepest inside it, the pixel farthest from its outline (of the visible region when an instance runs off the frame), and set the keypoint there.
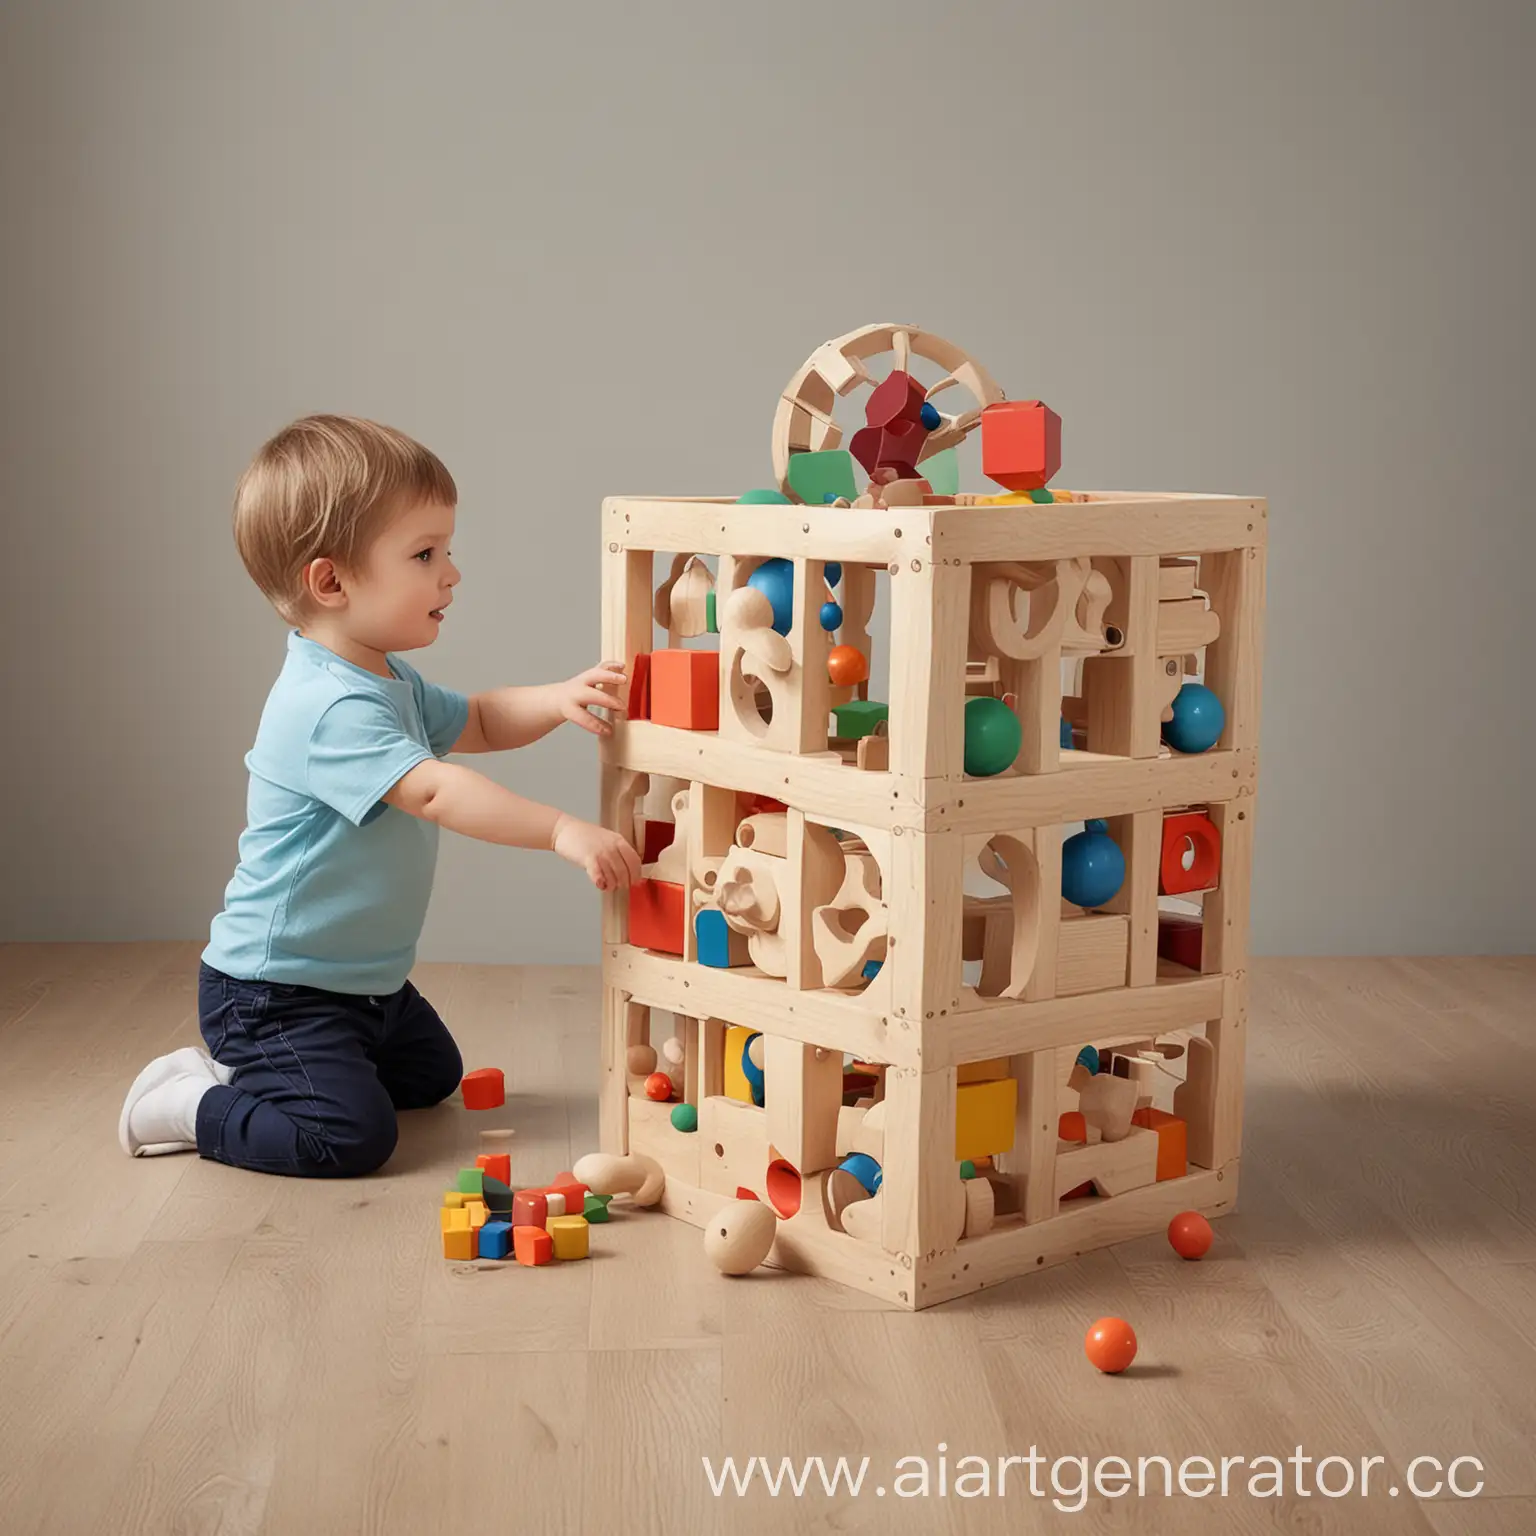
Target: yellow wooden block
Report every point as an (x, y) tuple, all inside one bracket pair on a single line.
[(455, 1197), (477, 1212), (569, 1234), (983, 1071), (984, 1115), (736, 1084), (459, 1243), (453, 1216)]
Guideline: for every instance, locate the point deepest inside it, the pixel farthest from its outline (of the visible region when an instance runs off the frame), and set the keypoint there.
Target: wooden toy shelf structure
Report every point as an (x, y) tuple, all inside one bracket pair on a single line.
[(1055, 978)]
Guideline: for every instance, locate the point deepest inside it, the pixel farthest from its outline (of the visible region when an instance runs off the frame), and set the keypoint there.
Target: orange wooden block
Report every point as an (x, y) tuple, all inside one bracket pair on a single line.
[(484, 1088), (1172, 1141), (1020, 444), (656, 915), (685, 689), (460, 1243), (532, 1245), (497, 1164)]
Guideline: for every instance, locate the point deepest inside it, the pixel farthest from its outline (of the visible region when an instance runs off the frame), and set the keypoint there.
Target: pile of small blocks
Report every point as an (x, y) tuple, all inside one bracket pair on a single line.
[(483, 1217)]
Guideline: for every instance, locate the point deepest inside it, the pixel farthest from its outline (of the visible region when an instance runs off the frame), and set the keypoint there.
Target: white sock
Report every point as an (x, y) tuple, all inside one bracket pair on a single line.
[(165, 1118)]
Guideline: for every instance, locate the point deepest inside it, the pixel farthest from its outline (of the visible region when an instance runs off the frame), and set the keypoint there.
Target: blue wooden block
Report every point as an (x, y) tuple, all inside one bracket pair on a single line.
[(716, 940), (495, 1239)]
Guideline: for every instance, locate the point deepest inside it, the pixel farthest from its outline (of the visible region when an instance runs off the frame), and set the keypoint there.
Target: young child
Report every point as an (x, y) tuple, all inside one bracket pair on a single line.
[(316, 1037)]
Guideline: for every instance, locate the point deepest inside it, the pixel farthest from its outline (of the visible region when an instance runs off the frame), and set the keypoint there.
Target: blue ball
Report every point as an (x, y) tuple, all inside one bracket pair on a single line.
[(865, 1169), (1066, 734), (1089, 1057), (833, 571), (1198, 719), (775, 579), (831, 616), (1092, 866), (930, 415)]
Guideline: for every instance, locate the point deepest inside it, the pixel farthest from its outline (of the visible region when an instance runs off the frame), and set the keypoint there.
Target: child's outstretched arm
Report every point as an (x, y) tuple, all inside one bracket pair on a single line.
[(506, 718), (467, 802)]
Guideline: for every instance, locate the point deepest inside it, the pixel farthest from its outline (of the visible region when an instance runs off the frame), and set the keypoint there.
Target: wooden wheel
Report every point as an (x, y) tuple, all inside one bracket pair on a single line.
[(803, 422)]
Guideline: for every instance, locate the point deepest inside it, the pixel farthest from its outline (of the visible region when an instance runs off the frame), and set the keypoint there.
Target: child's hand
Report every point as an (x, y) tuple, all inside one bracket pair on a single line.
[(577, 698), (609, 860)]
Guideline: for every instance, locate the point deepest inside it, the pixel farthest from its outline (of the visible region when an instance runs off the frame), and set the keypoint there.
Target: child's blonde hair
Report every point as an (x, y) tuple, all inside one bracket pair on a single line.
[(327, 486)]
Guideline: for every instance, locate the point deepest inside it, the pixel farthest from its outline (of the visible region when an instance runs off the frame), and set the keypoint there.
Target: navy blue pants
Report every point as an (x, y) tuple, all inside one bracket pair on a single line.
[(318, 1076)]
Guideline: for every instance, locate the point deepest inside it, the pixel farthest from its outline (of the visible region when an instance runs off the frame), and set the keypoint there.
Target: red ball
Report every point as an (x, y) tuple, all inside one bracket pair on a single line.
[(658, 1086), (1191, 1235), (847, 666), (1110, 1345)]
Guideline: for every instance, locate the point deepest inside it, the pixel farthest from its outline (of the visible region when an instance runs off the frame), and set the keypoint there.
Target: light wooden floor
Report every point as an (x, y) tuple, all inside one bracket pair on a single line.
[(188, 1348)]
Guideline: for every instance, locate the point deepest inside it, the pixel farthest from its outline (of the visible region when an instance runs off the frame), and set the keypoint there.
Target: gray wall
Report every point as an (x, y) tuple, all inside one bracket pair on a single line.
[(1278, 249)]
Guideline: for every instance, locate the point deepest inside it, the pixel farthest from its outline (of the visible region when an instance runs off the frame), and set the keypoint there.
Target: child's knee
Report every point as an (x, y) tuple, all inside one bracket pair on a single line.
[(359, 1148)]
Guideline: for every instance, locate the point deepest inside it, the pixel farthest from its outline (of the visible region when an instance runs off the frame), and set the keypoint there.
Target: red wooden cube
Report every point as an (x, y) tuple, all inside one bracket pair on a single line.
[(484, 1088), (497, 1164), (656, 915), (1020, 444), (529, 1208)]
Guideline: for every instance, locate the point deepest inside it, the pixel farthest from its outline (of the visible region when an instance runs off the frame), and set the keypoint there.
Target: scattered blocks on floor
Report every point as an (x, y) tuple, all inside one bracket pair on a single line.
[(484, 1088), (529, 1208), (596, 1208), (532, 1245), (495, 1239), (568, 1236), (572, 1192), (458, 1240), (497, 1164), (498, 1195), (472, 1181), (477, 1212), (685, 689)]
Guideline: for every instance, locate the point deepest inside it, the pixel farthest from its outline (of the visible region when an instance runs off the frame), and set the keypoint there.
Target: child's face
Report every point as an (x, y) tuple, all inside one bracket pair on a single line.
[(396, 602)]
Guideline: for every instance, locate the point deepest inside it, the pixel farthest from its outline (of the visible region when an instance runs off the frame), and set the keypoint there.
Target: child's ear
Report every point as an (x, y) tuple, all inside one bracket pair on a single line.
[(322, 582)]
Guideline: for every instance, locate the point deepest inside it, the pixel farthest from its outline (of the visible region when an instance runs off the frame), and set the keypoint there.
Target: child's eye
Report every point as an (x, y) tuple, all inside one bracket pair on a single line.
[(424, 555)]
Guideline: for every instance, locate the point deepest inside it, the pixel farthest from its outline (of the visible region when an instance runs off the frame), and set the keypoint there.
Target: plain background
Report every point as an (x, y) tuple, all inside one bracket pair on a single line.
[(1272, 249)]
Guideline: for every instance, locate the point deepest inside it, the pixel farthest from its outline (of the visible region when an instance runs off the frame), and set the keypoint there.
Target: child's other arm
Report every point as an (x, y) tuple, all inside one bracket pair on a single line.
[(467, 802), (506, 718)]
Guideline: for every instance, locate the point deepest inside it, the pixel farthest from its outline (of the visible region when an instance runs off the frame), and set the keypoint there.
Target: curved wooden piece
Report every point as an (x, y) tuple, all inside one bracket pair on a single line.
[(843, 953), (803, 421), (1012, 863)]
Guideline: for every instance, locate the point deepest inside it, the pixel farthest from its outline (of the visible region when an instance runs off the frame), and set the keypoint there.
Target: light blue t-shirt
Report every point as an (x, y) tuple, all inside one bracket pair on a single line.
[(332, 885)]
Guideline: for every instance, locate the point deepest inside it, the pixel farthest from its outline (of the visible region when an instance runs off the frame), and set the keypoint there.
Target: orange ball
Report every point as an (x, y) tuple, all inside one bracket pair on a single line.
[(658, 1086), (1191, 1235), (847, 665), (1110, 1345)]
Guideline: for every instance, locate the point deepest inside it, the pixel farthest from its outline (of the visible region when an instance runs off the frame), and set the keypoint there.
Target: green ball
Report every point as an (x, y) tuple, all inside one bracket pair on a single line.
[(685, 1117), (993, 736), (755, 498), (967, 1169)]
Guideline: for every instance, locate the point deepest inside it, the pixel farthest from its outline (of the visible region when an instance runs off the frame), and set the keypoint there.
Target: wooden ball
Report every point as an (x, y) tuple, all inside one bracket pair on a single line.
[(739, 1235), (641, 1060), (672, 1052), (658, 1086), (1110, 1345), (1190, 1234), (847, 666)]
